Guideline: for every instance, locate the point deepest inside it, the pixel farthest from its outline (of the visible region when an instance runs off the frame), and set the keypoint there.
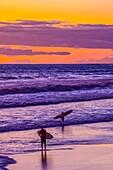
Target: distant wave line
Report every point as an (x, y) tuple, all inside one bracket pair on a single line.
[(49, 88), (13, 105)]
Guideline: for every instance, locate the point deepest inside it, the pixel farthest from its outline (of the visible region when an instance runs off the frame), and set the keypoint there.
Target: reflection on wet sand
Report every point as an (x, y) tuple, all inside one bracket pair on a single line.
[(44, 160), (62, 128)]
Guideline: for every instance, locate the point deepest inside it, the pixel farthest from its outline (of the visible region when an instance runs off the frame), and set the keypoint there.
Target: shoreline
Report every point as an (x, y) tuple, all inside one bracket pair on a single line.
[(80, 157), (84, 147)]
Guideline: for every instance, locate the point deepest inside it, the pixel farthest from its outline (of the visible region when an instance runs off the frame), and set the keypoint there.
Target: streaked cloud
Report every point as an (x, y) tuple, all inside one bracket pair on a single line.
[(16, 52), (94, 26), (24, 61), (34, 22), (102, 61)]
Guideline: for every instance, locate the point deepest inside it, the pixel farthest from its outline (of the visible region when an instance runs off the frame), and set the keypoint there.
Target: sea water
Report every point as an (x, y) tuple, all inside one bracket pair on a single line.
[(31, 95)]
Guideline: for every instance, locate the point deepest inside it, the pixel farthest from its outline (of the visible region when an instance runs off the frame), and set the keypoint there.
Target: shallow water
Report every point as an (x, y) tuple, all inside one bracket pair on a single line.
[(33, 117), (78, 128)]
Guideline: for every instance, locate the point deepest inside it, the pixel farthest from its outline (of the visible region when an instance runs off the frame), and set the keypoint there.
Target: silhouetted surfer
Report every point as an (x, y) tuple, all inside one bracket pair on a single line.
[(62, 115), (42, 134)]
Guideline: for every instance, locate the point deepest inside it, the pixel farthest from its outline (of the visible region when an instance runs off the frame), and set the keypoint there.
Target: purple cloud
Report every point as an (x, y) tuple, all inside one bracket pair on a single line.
[(34, 22), (4, 23), (102, 61), (94, 26), (42, 33), (13, 52)]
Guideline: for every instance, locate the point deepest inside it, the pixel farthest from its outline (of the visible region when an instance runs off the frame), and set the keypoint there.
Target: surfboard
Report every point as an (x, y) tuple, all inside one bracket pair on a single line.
[(48, 135), (63, 114)]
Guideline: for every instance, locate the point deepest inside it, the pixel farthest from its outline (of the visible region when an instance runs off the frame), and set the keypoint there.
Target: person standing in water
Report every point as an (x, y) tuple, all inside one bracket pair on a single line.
[(62, 116), (42, 134)]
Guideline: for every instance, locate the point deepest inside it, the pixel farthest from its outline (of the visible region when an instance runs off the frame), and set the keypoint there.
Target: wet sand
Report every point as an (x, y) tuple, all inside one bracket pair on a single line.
[(78, 157)]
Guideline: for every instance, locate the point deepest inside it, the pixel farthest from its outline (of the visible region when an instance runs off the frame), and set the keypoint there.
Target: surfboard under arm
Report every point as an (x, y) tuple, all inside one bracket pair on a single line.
[(48, 135)]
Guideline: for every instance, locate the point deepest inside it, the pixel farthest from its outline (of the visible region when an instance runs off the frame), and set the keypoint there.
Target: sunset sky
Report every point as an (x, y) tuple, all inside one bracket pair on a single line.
[(56, 31)]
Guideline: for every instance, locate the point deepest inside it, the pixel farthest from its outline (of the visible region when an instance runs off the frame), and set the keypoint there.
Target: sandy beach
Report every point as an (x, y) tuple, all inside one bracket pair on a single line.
[(80, 157), (82, 147)]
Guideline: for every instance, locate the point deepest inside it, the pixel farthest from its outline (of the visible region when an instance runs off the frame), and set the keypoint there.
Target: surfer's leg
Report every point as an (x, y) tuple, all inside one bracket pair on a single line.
[(42, 143), (45, 146), (45, 143)]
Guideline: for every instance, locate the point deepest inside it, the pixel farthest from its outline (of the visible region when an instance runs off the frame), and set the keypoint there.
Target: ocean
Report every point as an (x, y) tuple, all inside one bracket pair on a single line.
[(31, 95)]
